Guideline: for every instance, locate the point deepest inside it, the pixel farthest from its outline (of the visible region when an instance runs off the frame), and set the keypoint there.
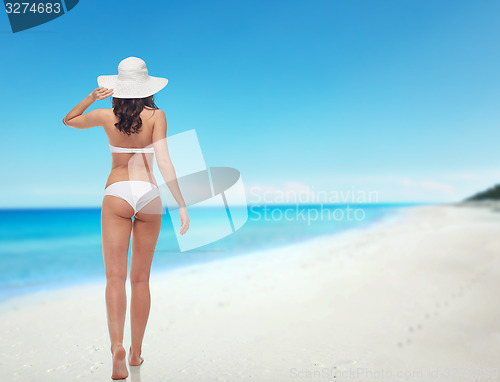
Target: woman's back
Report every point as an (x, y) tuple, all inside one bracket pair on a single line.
[(131, 166)]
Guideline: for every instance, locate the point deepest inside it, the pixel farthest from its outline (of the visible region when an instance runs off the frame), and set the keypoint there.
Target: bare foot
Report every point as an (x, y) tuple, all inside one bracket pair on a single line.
[(134, 359), (119, 365)]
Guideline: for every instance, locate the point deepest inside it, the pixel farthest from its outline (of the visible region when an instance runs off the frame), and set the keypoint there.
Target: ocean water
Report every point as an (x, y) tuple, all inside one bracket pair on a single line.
[(47, 248)]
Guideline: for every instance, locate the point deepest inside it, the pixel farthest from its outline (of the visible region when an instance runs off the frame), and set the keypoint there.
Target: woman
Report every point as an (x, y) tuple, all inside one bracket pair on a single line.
[(136, 130)]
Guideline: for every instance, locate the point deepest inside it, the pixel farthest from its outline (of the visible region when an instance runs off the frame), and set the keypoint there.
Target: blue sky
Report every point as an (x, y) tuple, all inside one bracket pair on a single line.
[(395, 97)]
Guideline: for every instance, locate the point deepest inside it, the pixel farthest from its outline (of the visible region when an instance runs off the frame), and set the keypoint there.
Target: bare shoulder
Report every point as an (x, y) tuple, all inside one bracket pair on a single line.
[(107, 112), (108, 115), (151, 113), (159, 115), (160, 112)]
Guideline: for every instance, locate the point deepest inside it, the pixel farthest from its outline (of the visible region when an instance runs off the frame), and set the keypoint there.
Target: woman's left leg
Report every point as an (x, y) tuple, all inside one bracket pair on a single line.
[(116, 226)]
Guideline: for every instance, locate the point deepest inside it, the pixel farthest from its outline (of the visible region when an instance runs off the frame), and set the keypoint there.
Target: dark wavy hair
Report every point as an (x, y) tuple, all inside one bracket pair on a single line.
[(128, 111)]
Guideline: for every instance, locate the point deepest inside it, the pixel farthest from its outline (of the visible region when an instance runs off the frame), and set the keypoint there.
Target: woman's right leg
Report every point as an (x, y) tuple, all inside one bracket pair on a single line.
[(145, 231)]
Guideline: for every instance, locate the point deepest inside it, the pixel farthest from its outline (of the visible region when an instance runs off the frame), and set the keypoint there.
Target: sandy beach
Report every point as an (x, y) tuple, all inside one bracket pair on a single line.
[(405, 300)]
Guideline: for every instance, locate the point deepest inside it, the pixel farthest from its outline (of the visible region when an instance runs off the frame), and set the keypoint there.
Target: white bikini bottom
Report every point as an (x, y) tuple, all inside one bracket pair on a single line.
[(137, 193)]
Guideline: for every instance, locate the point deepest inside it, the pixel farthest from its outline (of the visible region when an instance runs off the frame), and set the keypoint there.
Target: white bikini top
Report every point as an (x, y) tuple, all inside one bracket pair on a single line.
[(116, 149)]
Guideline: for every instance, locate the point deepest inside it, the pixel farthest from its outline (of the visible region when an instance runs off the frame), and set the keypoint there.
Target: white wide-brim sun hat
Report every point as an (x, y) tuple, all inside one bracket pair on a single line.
[(132, 80)]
